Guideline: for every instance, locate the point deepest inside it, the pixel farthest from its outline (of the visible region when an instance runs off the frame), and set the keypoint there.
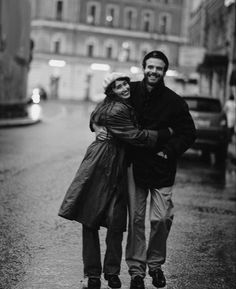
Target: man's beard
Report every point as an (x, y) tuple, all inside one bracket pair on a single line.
[(159, 78)]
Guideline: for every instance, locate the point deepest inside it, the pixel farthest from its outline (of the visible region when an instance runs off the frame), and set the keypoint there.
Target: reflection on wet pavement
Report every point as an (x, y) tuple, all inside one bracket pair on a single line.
[(207, 176), (205, 171)]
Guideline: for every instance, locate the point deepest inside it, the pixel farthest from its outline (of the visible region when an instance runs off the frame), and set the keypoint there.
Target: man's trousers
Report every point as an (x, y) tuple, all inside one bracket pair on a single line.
[(161, 217)]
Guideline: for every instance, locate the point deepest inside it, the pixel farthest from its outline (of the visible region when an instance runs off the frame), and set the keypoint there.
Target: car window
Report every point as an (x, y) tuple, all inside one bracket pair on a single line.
[(204, 105)]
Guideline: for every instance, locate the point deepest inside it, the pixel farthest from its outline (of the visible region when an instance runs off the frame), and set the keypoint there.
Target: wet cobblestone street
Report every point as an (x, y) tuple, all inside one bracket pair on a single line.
[(40, 250)]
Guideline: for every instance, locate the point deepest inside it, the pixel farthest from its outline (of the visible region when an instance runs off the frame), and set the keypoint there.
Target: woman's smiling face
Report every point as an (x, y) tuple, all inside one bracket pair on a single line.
[(122, 88)]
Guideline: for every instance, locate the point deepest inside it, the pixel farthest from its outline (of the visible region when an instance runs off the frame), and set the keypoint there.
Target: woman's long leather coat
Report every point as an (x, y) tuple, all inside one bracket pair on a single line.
[(97, 194)]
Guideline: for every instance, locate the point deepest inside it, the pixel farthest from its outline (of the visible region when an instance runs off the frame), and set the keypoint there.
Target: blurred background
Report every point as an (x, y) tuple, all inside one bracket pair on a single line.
[(64, 48), (54, 55)]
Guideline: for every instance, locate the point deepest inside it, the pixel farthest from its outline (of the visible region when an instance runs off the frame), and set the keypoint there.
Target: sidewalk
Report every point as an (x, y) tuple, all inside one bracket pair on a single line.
[(33, 116)]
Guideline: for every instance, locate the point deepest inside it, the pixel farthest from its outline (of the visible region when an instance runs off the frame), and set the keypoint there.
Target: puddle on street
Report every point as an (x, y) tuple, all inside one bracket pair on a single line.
[(196, 171)]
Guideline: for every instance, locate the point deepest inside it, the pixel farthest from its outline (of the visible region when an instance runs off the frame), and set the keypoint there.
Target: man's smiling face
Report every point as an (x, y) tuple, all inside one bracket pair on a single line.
[(154, 71)]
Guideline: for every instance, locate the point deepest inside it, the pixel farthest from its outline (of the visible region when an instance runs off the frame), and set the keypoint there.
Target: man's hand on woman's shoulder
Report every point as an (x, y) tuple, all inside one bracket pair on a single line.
[(101, 132)]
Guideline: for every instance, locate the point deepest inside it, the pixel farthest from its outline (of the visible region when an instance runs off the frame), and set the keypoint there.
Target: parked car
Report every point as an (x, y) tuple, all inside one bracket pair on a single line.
[(211, 125)]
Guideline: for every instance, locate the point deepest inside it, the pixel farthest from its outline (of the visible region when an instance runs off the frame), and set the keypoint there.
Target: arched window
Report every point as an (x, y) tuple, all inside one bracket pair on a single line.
[(93, 13), (91, 46), (127, 52), (59, 10), (112, 15), (164, 23), (130, 18), (147, 21), (56, 44), (90, 50), (109, 50), (146, 24)]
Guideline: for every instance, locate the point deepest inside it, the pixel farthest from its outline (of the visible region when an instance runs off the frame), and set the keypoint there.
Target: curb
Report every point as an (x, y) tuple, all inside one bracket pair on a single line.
[(33, 117), (17, 122)]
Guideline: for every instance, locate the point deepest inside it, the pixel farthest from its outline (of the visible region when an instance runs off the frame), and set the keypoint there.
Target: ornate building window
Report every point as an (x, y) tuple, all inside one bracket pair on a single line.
[(93, 13), (110, 49), (59, 10), (91, 47), (147, 21), (57, 46), (126, 52), (130, 18), (56, 43), (164, 23), (90, 50), (112, 14)]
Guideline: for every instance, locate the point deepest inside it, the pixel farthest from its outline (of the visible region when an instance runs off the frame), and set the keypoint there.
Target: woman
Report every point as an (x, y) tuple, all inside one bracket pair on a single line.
[(97, 195)]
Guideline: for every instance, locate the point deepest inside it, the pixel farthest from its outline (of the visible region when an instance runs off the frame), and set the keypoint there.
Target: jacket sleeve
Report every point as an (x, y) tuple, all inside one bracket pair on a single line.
[(92, 119), (120, 124), (185, 132)]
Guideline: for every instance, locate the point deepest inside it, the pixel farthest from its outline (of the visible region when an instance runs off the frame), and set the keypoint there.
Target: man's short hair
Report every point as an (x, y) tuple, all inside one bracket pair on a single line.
[(156, 54)]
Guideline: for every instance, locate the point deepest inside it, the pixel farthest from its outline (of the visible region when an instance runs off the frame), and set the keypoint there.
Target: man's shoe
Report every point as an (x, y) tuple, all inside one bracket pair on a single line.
[(113, 280), (94, 283), (158, 278), (137, 283)]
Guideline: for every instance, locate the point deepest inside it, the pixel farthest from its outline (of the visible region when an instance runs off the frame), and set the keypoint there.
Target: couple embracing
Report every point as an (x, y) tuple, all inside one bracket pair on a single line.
[(141, 128)]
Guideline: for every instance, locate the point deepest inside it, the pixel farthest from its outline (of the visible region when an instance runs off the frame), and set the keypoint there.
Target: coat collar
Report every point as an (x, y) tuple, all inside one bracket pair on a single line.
[(115, 98), (156, 90)]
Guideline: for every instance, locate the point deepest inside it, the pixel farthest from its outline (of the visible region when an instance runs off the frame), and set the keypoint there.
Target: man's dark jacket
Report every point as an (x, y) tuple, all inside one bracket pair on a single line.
[(157, 110)]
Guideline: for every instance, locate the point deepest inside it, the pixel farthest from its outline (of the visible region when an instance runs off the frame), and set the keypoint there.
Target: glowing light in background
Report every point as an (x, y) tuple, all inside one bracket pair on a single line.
[(100, 66), (36, 95), (109, 18), (134, 69), (34, 112), (173, 73), (125, 45), (57, 63)]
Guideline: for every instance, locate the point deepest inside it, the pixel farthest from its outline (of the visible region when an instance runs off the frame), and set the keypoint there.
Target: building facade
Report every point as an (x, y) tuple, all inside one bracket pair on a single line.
[(77, 42), (213, 26), (14, 56)]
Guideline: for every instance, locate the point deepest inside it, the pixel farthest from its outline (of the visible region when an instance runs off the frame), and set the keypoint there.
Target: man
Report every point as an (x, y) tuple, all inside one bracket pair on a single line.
[(157, 107)]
